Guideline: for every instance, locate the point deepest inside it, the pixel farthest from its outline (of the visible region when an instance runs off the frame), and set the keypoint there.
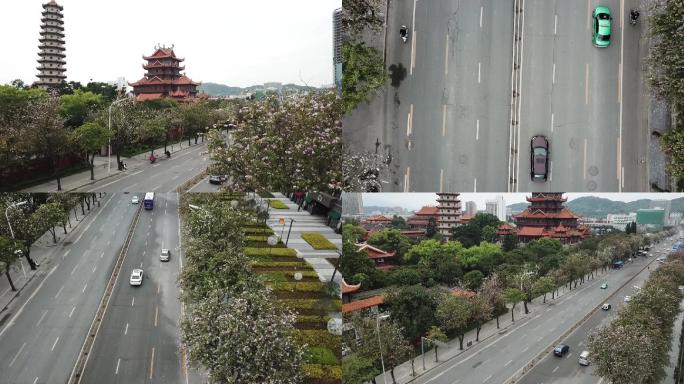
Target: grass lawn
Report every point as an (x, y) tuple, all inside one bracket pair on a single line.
[(277, 204), (317, 241)]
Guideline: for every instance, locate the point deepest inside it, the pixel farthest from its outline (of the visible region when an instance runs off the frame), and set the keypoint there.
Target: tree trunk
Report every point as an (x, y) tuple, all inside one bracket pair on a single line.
[(497, 322), (394, 381), (477, 332), (196, 137), (544, 298), (14, 289), (189, 143), (525, 305), (82, 210), (92, 167), (118, 161), (29, 260), (553, 294), (54, 236), (512, 317), (460, 340)]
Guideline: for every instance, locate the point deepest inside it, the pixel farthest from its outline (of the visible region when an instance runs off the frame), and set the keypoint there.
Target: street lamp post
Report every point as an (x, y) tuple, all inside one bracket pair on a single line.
[(289, 230), (109, 150), (382, 361)]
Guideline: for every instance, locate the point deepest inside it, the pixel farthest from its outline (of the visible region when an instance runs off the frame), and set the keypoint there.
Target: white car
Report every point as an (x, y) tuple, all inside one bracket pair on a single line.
[(164, 255), (135, 200), (628, 299), (136, 277), (606, 306)]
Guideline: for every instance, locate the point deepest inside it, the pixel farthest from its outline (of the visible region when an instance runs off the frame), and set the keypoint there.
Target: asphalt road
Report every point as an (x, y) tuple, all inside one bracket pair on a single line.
[(139, 340), (499, 359), (44, 329), (552, 369), (204, 186), (446, 116), (163, 176)]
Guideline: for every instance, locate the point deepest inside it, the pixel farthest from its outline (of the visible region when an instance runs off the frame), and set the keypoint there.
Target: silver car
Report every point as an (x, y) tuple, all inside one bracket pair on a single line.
[(136, 277)]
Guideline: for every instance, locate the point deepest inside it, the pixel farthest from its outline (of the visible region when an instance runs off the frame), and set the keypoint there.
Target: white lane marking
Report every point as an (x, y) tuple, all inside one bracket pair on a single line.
[(17, 355), (116, 181), (551, 171), (126, 330), (74, 270), (58, 292), (553, 78), (118, 361), (55, 343), (101, 255), (409, 122), (84, 287), (509, 362), (540, 338), (555, 369), (156, 188), (481, 11), (555, 24), (487, 378), (477, 130), (413, 38), (441, 180), (72, 311), (475, 185), (133, 302), (21, 309), (66, 253), (91, 222), (175, 177), (622, 180), (36, 380), (552, 122), (41, 318), (94, 268), (479, 71), (444, 111), (152, 364), (407, 179), (156, 315)]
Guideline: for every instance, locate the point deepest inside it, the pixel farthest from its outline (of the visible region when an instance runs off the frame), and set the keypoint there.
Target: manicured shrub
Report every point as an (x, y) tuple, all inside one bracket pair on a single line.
[(251, 251), (318, 338), (317, 241)]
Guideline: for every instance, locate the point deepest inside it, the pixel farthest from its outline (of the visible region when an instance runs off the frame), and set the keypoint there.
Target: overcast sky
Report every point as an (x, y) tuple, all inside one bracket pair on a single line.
[(414, 201), (233, 42)]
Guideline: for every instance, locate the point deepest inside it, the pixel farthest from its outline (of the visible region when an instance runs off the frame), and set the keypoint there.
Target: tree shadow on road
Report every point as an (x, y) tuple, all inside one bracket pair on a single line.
[(397, 74)]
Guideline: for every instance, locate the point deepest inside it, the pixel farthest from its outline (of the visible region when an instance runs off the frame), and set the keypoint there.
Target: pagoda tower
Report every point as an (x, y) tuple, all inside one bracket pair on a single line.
[(449, 208), (51, 48), (548, 217), (163, 78)]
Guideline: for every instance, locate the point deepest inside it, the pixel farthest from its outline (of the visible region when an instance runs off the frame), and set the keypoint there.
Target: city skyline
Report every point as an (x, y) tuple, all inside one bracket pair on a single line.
[(258, 47)]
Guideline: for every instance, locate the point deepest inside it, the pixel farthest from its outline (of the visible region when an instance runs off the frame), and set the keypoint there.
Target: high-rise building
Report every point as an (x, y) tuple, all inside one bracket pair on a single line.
[(337, 49), (490, 207), (449, 208), (497, 207), (547, 217), (470, 208), (163, 78), (665, 205), (51, 61)]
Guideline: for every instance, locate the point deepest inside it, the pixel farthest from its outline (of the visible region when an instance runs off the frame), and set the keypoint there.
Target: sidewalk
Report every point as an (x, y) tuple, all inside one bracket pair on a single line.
[(306, 222), (102, 171), (42, 253), (403, 372), (674, 346)]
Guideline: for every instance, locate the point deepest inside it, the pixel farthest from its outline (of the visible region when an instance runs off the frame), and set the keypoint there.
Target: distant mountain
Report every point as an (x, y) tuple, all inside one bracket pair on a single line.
[(598, 207), (215, 89)]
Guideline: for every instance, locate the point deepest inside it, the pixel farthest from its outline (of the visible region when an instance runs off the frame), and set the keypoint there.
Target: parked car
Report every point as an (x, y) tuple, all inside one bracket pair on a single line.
[(164, 255), (216, 179), (583, 358), (135, 200), (539, 157), (606, 306), (604, 286), (561, 350), (136, 277), (628, 299), (601, 26)]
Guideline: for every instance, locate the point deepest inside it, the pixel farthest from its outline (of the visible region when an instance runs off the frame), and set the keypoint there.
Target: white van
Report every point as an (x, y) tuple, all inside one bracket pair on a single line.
[(583, 358)]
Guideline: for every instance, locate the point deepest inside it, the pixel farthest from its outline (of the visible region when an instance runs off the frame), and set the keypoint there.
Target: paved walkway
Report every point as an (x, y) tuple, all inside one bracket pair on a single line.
[(674, 345), (41, 252), (403, 372), (102, 171), (306, 222)]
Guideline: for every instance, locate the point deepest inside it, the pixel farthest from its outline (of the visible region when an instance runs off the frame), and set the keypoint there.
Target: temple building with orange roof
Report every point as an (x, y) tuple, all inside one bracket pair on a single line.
[(421, 219), (164, 79), (547, 217), (380, 258)]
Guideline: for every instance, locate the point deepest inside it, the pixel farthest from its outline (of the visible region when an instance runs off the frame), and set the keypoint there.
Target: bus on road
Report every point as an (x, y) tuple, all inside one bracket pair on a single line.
[(148, 202)]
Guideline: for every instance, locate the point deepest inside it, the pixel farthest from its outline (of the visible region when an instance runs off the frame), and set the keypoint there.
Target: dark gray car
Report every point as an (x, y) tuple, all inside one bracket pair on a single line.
[(539, 156)]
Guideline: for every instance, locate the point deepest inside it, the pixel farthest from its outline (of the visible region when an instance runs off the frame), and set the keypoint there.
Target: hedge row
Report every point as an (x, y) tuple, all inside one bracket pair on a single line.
[(253, 251), (318, 241), (277, 204), (319, 355), (319, 371), (302, 286)]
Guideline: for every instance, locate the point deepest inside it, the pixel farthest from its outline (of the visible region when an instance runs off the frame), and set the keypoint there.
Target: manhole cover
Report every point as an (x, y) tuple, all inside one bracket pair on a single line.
[(463, 159), (593, 170), (591, 186)]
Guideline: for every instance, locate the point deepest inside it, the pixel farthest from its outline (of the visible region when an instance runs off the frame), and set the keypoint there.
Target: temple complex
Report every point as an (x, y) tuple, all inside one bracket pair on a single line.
[(547, 217), (163, 78)]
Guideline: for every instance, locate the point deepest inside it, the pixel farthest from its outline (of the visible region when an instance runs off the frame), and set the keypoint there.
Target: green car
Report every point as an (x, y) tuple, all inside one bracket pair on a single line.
[(601, 23), (604, 286)]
